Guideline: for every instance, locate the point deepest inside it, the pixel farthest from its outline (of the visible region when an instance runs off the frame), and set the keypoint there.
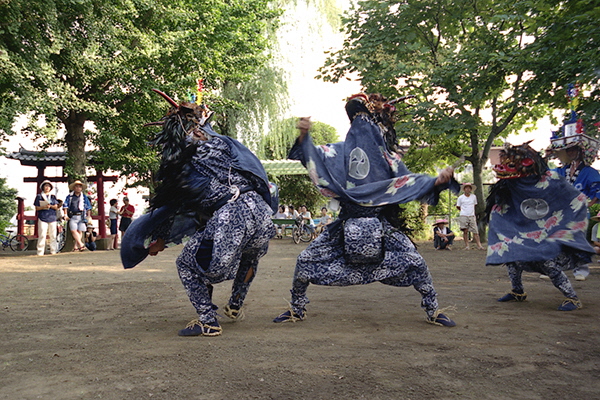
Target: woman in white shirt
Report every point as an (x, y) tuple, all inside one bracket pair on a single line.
[(280, 214)]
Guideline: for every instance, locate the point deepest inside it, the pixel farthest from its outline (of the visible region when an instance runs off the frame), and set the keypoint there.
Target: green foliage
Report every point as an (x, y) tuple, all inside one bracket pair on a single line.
[(446, 205), (69, 62), (327, 8), (253, 107), (594, 209), (296, 189), (414, 215), (479, 70), (8, 204), (277, 143)]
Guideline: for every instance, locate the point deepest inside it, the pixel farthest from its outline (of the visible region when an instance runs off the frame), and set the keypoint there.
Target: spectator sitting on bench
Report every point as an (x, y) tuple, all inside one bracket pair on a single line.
[(281, 214)]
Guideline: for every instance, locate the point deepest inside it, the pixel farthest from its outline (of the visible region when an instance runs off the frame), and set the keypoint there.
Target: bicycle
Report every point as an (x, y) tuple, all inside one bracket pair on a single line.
[(301, 232), (16, 242)]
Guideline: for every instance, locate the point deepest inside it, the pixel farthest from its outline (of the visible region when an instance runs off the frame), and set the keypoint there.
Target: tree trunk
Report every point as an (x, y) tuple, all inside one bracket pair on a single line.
[(75, 141), (479, 193)]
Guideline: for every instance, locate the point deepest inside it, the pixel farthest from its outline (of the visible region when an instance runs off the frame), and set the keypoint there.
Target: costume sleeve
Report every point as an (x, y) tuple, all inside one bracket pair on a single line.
[(561, 170), (328, 171), (591, 183), (87, 204), (296, 153)]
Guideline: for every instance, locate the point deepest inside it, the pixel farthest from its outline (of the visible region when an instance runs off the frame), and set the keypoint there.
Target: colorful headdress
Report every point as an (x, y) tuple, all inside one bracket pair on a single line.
[(572, 133)]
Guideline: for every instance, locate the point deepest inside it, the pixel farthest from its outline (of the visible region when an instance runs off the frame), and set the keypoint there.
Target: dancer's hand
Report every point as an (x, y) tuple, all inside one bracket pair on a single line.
[(445, 175), (157, 247), (303, 126)]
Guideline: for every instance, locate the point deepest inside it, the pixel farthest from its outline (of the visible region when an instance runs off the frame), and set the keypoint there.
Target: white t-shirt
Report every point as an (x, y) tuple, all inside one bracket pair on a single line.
[(306, 215), (467, 205), (113, 212), (281, 215)]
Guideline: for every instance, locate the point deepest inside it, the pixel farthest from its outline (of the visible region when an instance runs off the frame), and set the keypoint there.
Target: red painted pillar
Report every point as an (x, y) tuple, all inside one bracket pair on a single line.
[(101, 211), (20, 216)]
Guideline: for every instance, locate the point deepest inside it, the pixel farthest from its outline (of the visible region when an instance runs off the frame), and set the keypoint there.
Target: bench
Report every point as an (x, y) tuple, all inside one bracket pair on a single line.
[(287, 223)]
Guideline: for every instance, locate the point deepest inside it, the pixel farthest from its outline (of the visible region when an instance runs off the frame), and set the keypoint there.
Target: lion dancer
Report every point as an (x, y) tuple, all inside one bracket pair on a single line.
[(366, 243), (538, 223), (215, 191)]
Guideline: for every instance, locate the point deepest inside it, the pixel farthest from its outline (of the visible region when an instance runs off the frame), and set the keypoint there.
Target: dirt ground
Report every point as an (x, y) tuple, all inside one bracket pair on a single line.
[(78, 326)]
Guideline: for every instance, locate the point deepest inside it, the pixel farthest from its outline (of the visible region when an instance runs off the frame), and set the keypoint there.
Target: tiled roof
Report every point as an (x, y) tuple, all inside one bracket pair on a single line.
[(58, 158), (48, 158)]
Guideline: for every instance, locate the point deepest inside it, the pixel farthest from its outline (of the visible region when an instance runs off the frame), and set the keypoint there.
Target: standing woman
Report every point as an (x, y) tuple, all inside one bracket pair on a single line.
[(45, 206), (126, 213), (113, 215)]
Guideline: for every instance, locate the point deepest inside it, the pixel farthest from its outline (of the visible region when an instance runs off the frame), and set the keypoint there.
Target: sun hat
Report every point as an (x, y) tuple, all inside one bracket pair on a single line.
[(597, 217), (48, 182), (473, 187), (77, 182), (440, 221)]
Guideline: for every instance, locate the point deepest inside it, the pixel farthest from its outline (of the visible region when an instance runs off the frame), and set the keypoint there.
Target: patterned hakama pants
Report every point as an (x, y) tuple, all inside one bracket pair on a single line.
[(229, 248), (323, 263), (552, 268)]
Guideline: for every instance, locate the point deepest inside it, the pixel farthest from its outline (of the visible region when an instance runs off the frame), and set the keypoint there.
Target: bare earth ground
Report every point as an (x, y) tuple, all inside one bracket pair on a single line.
[(78, 326)]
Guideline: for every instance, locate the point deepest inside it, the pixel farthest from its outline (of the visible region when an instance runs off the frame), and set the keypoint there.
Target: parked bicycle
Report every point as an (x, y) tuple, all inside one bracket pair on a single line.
[(301, 231), (16, 242)]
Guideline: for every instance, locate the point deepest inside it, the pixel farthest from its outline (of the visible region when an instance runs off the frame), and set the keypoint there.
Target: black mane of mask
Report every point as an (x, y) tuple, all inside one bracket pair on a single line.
[(376, 106), (176, 152)]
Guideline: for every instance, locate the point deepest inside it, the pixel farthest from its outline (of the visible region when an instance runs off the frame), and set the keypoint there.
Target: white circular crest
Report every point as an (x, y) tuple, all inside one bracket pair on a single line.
[(535, 208), (358, 164)]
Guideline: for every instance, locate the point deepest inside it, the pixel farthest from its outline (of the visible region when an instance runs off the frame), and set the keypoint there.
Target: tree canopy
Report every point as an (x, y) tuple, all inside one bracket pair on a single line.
[(479, 70), (8, 204), (69, 62)]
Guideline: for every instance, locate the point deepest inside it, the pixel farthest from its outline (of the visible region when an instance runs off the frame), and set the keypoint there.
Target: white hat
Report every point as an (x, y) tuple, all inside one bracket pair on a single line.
[(48, 182)]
